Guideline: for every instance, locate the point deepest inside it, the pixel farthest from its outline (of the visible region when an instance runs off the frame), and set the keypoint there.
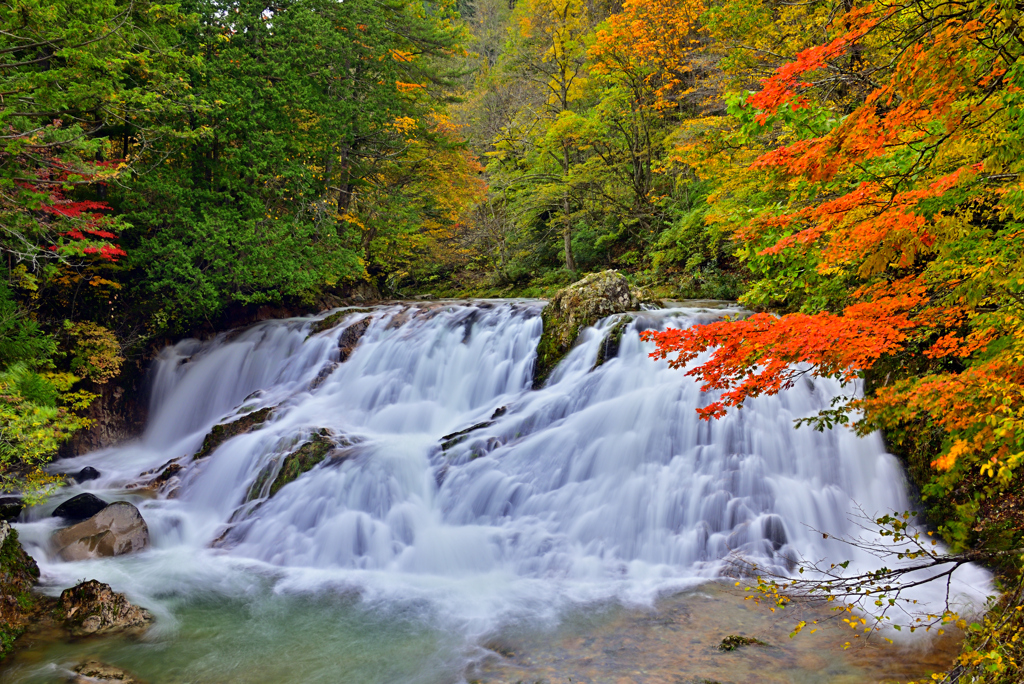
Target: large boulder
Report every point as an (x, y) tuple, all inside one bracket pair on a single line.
[(94, 608), (116, 530), (81, 507), (575, 307)]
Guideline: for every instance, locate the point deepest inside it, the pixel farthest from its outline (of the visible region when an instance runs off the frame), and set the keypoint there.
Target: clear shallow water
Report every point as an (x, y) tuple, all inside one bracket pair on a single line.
[(397, 559)]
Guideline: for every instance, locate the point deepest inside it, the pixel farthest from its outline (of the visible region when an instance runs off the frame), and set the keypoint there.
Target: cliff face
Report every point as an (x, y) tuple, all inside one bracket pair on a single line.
[(18, 574)]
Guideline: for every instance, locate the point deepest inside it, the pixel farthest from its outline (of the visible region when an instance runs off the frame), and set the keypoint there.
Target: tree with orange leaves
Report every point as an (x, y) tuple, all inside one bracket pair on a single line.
[(889, 231)]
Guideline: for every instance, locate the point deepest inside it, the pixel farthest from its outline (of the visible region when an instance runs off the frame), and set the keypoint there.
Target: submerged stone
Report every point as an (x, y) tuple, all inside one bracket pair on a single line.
[(92, 671), (734, 641)]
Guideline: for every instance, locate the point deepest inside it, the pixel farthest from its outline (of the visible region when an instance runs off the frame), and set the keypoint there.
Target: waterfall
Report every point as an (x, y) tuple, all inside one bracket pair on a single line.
[(441, 466)]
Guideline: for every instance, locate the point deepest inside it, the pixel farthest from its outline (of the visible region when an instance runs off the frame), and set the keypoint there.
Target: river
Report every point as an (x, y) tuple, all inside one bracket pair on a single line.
[(579, 511)]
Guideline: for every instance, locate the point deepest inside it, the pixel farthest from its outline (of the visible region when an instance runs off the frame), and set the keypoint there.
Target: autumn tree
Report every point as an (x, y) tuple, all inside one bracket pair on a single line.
[(890, 230)]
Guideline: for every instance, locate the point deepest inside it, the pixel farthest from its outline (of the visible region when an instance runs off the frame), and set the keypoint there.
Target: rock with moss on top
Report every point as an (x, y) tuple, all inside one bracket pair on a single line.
[(576, 307), (94, 608)]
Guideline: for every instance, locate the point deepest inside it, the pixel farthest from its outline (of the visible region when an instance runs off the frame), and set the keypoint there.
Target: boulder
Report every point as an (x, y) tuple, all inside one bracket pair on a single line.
[(116, 530), (11, 507), (80, 507), (92, 671), (575, 307), (94, 608), (85, 474)]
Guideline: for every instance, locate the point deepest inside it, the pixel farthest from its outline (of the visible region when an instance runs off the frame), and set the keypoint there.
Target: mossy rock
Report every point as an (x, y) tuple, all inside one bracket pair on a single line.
[(575, 307), (734, 641), (280, 472), (333, 320), (18, 574), (609, 348), (225, 431)]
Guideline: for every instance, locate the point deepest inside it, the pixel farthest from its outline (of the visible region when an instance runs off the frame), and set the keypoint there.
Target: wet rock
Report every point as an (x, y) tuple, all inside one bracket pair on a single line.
[(734, 641), (332, 320), (774, 530), (94, 608), (80, 507), (609, 348), (11, 507), (114, 531), (350, 337), (575, 307), (321, 445), (158, 477), (18, 574), (499, 412), (450, 440), (224, 431), (85, 474), (324, 373), (95, 671)]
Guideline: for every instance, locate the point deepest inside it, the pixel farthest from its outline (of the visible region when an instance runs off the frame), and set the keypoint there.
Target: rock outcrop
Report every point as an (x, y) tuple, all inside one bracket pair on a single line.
[(575, 307), (81, 507), (224, 431), (350, 338), (93, 671), (116, 530), (311, 453), (18, 574), (94, 608)]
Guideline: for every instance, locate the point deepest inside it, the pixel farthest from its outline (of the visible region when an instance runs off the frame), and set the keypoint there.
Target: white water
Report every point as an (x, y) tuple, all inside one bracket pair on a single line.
[(604, 484)]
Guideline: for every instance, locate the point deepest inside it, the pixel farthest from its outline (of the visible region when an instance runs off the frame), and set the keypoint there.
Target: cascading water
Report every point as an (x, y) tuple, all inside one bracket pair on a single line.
[(446, 483)]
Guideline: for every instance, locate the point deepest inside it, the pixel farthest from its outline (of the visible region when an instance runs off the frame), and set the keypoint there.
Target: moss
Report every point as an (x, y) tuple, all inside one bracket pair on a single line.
[(302, 460), (575, 307), (225, 431), (734, 641), (18, 574)]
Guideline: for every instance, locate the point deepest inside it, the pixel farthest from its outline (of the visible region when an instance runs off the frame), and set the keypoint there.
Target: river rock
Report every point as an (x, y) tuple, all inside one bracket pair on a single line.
[(116, 530), (575, 307), (224, 431), (11, 507), (95, 671), (350, 337), (85, 474), (80, 507), (94, 608)]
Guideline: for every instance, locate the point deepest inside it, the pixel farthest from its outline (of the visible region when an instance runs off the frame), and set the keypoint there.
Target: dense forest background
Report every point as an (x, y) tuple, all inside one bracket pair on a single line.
[(851, 168)]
